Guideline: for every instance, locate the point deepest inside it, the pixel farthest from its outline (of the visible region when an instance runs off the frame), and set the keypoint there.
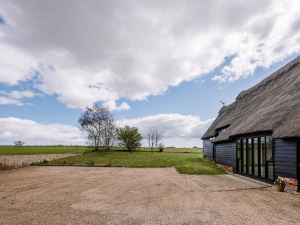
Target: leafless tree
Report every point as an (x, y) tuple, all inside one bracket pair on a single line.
[(157, 137), (153, 136), (98, 124), (150, 138)]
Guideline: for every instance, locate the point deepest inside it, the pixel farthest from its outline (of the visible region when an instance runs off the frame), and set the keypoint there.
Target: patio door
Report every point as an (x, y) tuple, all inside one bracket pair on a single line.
[(255, 157)]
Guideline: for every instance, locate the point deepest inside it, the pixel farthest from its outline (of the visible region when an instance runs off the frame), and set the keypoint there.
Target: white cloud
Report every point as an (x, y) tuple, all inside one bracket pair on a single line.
[(15, 97), (10, 101), (110, 50), (33, 133), (178, 130), (16, 65), (112, 105)]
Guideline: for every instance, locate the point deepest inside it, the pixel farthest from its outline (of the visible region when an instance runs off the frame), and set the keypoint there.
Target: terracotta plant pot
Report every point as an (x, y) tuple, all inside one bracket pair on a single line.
[(280, 187)]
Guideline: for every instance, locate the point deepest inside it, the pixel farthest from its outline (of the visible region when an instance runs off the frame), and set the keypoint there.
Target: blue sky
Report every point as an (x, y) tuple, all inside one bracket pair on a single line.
[(199, 97), (152, 67)]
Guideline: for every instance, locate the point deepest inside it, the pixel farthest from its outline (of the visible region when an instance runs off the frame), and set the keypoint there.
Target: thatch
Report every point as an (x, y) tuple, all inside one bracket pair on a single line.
[(271, 105)]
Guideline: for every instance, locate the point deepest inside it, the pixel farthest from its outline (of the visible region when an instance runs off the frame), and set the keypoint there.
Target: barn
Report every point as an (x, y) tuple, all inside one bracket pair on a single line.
[(258, 135)]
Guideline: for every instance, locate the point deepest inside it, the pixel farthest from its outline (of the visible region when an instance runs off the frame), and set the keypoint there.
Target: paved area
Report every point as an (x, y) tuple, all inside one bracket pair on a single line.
[(93, 195), (228, 182), (17, 161)]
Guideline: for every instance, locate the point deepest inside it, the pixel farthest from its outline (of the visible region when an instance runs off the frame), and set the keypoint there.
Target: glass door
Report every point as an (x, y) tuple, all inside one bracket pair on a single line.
[(239, 156), (263, 157), (249, 156), (244, 154), (269, 158), (255, 157)]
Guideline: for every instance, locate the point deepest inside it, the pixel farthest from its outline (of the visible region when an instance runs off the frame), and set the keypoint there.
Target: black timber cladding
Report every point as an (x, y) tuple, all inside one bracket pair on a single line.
[(298, 162), (207, 148), (226, 154), (285, 158)]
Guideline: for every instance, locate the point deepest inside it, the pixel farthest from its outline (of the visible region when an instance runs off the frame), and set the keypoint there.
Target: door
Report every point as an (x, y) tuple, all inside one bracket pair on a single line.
[(239, 156), (254, 157)]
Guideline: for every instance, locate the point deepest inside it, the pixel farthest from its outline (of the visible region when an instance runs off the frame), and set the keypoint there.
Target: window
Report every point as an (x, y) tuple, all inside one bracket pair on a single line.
[(262, 157), (255, 156), (239, 155), (269, 157), (222, 130), (244, 156), (249, 157)]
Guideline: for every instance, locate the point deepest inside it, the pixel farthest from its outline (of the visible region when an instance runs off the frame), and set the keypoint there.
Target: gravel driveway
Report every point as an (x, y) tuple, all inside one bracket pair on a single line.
[(93, 195)]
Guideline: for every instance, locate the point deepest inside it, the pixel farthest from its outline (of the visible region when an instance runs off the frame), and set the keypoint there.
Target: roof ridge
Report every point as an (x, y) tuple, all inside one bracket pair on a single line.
[(283, 70)]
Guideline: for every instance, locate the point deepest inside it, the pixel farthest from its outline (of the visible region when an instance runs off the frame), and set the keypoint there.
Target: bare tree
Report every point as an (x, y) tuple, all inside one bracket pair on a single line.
[(157, 137), (98, 125), (154, 137), (150, 138), (19, 143)]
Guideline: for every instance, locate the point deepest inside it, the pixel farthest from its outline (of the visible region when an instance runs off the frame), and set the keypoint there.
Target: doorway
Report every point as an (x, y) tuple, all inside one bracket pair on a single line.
[(255, 157)]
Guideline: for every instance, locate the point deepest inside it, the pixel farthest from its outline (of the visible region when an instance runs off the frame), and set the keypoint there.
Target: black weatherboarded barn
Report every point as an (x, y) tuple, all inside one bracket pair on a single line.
[(259, 134)]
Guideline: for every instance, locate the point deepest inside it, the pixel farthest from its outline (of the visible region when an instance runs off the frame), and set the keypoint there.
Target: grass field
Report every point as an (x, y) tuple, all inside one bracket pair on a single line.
[(185, 160), (35, 150)]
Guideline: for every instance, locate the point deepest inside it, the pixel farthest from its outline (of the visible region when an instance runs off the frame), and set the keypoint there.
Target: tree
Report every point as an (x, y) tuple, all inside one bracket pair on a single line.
[(129, 137), (98, 125), (151, 139), (19, 143), (157, 137), (154, 136)]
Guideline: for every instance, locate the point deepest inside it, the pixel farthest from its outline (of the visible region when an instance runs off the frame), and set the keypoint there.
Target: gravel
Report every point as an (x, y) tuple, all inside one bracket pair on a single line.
[(93, 195)]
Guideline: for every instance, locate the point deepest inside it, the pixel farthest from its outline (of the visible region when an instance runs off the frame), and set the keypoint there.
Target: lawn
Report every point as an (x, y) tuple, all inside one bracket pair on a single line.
[(186, 161), (35, 150)]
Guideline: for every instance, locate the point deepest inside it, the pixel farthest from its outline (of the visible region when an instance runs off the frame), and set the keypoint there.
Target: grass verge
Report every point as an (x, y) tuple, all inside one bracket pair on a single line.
[(186, 161)]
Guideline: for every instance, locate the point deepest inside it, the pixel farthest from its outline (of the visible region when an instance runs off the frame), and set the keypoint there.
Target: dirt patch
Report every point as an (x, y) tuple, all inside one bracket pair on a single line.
[(89, 195)]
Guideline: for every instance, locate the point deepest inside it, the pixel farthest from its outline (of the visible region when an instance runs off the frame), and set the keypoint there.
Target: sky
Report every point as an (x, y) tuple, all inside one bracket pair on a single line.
[(155, 64)]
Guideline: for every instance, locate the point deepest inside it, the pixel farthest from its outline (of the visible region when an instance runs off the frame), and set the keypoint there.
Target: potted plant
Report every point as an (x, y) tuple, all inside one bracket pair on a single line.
[(279, 184)]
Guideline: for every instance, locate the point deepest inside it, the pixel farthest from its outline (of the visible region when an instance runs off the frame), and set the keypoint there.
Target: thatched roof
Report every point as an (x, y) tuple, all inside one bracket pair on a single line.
[(271, 105)]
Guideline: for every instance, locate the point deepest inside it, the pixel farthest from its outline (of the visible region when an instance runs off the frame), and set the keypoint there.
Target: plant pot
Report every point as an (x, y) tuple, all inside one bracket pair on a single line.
[(279, 187)]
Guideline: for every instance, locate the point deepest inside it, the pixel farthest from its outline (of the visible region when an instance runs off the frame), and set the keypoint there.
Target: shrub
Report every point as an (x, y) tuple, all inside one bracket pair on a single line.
[(161, 147), (129, 137)]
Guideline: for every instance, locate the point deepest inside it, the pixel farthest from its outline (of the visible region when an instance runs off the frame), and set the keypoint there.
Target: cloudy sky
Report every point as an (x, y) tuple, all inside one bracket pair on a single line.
[(163, 64)]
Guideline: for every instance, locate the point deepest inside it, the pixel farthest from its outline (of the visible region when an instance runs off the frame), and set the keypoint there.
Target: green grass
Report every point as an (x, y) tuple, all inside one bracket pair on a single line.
[(186, 161), (34, 150)]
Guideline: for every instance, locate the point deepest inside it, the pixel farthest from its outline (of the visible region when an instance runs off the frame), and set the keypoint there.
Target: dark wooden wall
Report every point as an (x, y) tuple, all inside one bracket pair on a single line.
[(285, 158), (226, 154), (207, 148)]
